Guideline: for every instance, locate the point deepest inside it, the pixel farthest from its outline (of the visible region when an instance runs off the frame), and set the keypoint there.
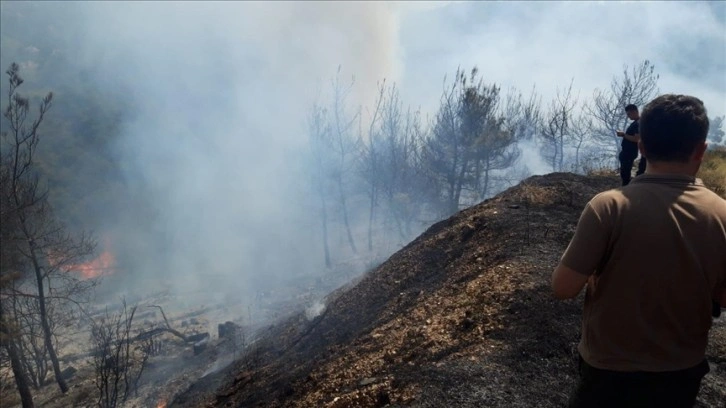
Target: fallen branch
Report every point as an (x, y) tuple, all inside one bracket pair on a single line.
[(168, 329), (158, 330)]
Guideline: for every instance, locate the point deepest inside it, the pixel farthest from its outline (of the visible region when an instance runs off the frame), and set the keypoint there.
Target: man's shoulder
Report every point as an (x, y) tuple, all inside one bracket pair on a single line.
[(608, 196), (712, 201), (633, 128), (607, 200)]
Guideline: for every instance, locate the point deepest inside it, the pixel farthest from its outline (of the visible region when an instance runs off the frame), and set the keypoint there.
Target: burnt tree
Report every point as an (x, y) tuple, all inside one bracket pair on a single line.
[(318, 133), (33, 236), (636, 86), (344, 147), (557, 127)]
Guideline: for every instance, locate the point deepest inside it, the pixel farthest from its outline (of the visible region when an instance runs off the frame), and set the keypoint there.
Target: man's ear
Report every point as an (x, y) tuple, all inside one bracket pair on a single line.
[(699, 151)]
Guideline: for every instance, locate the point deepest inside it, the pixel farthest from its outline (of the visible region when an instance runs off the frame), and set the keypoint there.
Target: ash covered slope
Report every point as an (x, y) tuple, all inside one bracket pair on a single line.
[(463, 316)]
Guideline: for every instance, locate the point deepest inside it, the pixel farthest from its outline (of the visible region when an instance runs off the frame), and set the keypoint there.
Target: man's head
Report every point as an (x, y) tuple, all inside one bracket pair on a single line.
[(632, 112), (673, 128)]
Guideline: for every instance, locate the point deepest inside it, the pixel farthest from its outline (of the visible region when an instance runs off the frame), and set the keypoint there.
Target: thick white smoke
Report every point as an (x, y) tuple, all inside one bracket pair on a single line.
[(221, 91)]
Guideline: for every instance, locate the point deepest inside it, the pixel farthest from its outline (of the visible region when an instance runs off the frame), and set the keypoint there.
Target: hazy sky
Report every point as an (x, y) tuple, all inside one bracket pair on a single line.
[(221, 90), (516, 44), (549, 43)]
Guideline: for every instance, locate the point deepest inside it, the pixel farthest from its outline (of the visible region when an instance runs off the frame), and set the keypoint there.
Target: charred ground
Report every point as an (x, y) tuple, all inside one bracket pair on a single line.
[(463, 316)]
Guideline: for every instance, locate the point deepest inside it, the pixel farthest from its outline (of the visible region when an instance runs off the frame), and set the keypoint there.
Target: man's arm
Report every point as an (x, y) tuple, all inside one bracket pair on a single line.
[(567, 282), (583, 254), (633, 138)]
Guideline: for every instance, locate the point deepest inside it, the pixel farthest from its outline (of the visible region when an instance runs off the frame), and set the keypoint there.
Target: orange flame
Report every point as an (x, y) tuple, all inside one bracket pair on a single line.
[(161, 404), (102, 265)]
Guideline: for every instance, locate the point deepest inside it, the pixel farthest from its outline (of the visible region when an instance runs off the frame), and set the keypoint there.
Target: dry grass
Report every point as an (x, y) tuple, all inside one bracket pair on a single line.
[(601, 172), (532, 195), (713, 170)]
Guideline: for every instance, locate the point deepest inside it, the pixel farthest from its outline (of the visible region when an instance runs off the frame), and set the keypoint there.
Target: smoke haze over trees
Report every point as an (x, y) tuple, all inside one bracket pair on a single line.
[(187, 150), (224, 155), (228, 148)]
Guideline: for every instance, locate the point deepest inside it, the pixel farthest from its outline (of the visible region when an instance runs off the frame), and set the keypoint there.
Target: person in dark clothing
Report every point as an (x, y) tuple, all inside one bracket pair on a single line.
[(629, 146)]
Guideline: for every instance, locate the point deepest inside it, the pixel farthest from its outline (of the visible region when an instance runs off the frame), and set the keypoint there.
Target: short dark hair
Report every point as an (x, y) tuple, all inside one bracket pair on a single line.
[(631, 107), (671, 126)]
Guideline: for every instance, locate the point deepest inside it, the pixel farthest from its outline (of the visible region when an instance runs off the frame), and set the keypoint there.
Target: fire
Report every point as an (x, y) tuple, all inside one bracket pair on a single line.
[(94, 268), (103, 264), (161, 404)]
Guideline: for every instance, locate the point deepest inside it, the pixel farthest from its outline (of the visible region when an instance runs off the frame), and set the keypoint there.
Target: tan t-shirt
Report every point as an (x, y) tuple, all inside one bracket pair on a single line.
[(656, 252)]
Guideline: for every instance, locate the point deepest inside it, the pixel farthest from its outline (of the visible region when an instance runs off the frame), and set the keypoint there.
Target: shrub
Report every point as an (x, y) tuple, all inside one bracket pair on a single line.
[(713, 170)]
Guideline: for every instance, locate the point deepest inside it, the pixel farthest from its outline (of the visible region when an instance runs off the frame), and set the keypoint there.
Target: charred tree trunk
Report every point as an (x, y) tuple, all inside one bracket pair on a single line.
[(453, 199), (395, 214), (47, 333), (487, 170), (324, 217), (344, 208), (371, 214), (399, 225), (21, 380), (452, 203), (25, 366), (24, 190), (459, 186), (561, 149)]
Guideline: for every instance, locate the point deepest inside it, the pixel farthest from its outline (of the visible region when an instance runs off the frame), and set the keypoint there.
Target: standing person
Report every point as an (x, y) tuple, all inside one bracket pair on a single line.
[(653, 257), (629, 146)]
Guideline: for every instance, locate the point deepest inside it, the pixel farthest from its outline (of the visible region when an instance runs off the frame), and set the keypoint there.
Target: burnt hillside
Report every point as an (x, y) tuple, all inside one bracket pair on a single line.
[(462, 316)]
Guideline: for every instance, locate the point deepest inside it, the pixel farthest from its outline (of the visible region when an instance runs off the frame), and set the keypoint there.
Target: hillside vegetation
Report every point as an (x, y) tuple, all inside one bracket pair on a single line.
[(461, 317), (713, 170)]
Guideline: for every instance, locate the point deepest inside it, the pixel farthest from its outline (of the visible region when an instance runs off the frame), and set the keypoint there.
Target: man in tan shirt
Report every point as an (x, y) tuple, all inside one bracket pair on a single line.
[(653, 257)]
